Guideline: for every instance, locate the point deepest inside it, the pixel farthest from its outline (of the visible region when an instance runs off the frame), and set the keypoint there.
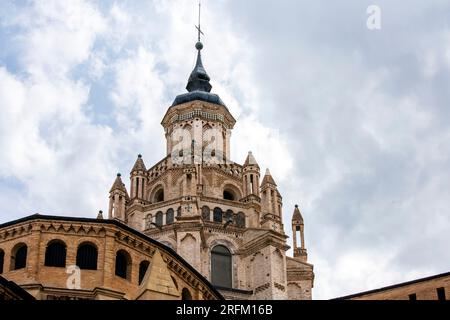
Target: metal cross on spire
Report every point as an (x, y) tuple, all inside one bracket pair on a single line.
[(200, 32)]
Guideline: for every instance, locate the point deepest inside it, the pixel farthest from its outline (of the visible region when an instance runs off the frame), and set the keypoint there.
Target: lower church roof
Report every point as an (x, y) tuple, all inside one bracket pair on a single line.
[(124, 227)]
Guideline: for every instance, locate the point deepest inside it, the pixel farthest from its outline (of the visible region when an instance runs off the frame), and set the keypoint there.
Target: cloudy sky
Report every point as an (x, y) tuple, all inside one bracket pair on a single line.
[(352, 122)]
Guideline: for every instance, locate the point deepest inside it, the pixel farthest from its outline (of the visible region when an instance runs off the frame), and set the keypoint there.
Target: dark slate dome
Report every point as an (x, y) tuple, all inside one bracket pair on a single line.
[(198, 85)]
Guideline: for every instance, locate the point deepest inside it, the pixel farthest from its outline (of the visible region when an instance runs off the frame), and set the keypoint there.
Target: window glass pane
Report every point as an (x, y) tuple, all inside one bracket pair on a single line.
[(159, 218), (205, 213), (170, 216), (217, 215), (221, 267)]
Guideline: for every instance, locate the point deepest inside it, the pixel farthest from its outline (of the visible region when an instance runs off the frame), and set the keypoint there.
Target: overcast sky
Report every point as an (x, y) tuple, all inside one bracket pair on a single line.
[(353, 123)]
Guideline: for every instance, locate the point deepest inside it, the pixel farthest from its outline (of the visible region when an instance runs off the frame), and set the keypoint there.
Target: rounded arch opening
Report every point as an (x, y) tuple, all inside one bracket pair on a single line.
[(186, 294), (159, 217), (87, 256), (19, 256), (157, 195), (170, 216), (55, 254), (231, 192), (217, 215), (123, 265), (221, 266)]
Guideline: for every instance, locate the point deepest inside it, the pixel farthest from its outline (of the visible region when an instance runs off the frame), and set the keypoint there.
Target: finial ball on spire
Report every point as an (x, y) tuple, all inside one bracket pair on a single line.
[(139, 156), (199, 45), (119, 175), (296, 205)]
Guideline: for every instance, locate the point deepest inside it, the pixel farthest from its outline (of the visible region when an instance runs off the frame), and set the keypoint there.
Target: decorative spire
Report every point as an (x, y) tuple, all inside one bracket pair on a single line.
[(297, 216), (250, 161), (139, 165), (268, 179), (199, 79), (118, 184)]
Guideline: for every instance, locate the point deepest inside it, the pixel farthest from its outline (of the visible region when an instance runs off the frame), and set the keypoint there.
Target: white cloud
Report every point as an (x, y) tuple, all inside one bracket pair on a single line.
[(352, 128)]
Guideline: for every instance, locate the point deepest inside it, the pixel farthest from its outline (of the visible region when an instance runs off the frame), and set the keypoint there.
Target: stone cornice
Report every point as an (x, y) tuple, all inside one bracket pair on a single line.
[(198, 109)]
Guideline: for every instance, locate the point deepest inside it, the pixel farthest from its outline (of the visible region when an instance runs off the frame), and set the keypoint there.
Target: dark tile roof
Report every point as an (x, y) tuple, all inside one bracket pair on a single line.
[(15, 289)]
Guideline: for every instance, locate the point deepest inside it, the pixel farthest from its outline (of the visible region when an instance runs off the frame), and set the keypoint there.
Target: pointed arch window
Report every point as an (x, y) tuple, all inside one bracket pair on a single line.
[(221, 263), (55, 254)]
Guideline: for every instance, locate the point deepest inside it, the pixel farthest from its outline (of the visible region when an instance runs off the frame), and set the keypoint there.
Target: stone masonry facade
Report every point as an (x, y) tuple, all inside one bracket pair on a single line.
[(196, 199), (167, 276)]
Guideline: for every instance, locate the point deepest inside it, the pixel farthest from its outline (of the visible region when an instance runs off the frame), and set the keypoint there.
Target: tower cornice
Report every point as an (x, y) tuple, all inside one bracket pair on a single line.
[(198, 109)]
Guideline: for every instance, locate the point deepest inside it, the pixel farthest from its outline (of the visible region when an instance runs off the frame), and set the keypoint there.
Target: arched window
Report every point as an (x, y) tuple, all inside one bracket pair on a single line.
[(170, 216), (159, 195), (217, 215), (123, 264), (221, 266), (228, 195), (240, 220), (19, 256), (206, 213), (228, 215), (143, 267), (55, 254), (186, 294), (87, 256), (159, 218), (2, 258)]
